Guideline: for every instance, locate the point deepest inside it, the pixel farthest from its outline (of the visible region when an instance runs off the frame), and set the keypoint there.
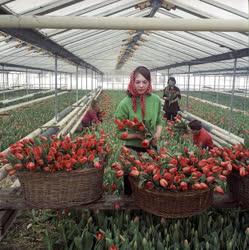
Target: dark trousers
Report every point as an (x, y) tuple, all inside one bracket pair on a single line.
[(170, 116)]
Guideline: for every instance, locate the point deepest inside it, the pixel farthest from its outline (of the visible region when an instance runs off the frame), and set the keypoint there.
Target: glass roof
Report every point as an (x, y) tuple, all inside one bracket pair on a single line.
[(105, 48)]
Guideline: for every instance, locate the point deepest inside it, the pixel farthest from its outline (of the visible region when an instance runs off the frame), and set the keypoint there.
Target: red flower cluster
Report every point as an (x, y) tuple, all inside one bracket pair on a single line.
[(237, 157), (58, 154), (136, 127), (162, 171), (134, 124)]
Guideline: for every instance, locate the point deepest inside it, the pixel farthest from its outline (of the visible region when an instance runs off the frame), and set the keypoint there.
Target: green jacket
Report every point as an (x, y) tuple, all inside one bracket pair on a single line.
[(152, 114)]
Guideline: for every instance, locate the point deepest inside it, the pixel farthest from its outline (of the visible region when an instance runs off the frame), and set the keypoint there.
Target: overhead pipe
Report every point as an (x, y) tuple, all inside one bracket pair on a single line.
[(123, 23)]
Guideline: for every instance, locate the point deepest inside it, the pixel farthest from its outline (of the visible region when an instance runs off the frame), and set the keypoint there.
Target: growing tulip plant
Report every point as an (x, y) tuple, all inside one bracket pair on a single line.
[(57, 154)]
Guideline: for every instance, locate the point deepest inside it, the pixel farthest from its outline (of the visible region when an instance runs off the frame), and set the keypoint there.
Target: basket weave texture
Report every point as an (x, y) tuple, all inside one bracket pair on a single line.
[(239, 187), (172, 204), (61, 189)]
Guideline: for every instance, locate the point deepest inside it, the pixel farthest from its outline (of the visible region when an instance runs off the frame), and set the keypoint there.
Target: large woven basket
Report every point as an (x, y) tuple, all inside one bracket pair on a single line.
[(239, 188), (61, 189), (172, 204)]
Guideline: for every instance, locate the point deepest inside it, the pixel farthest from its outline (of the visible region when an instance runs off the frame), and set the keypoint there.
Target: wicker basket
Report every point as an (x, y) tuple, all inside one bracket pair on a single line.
[(172, 204), (239, 187), (61, 189)]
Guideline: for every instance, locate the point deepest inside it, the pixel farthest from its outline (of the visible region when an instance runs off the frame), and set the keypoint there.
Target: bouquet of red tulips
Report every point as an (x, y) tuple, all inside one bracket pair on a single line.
[(134, 126)]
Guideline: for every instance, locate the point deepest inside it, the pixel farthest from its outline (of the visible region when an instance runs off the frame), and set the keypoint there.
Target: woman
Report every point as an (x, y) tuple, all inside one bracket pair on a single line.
[(201, 137), (91, 116), (171, 95), (142, 104)]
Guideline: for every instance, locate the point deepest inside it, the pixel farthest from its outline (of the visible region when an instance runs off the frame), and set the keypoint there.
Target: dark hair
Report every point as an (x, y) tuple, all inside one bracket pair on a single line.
[(94, 103), (144, 72), (172, 79), (195, 125)]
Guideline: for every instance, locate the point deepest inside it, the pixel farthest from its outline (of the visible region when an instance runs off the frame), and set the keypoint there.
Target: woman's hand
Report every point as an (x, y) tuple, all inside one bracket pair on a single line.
[(134, 136)]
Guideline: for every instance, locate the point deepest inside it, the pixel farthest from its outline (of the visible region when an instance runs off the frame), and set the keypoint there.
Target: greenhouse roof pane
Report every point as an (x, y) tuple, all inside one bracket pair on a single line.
[(19, 6), (241, 5), (201, 8)]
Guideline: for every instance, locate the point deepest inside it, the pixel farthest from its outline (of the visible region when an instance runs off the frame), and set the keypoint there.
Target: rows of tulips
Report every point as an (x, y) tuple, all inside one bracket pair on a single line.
[(239, 102), (16, 94), (125, 230), (235, 122), (18, 123)]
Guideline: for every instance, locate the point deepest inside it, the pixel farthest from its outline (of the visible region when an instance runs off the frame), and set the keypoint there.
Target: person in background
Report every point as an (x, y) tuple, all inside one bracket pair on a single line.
[(171, 95), (201, 137), (92, 116), (142, 104)]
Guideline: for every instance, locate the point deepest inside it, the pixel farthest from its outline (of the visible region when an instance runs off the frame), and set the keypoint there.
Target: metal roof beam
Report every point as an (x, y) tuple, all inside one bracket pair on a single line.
[(50, 7), (2, 2), (29, 67), (215, 58), (219, 70), (39, 40)]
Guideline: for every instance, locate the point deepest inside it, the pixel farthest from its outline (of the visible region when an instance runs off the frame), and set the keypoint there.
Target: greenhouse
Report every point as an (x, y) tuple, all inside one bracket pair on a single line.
[(124, 124)]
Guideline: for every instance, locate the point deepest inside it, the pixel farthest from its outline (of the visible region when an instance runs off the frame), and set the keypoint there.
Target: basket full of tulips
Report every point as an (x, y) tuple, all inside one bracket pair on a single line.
[(59, 172), (238, 181), (173, 186)]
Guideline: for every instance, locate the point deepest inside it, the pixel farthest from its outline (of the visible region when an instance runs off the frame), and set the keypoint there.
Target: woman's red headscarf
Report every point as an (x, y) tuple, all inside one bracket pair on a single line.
[(134, 94)]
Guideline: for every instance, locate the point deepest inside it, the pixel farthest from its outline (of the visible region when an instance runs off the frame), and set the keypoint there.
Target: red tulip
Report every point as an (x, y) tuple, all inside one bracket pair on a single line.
[(145, 143), (219, 190), (124, 135)]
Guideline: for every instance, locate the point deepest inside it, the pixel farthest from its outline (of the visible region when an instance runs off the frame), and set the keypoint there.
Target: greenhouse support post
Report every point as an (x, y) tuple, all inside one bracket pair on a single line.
[(92, 80), (71, 81), (39, 80), (3, 82), (7, 79), (232, 96), (218, 89), (123, 82), (164, 80), (194, 81), (81, 80), (224, 83), (55, 91), (246, 89), (188, 87), (27, 81), (51, 81), (200, 83), (77, 82), (95, 78), (86, 80)]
